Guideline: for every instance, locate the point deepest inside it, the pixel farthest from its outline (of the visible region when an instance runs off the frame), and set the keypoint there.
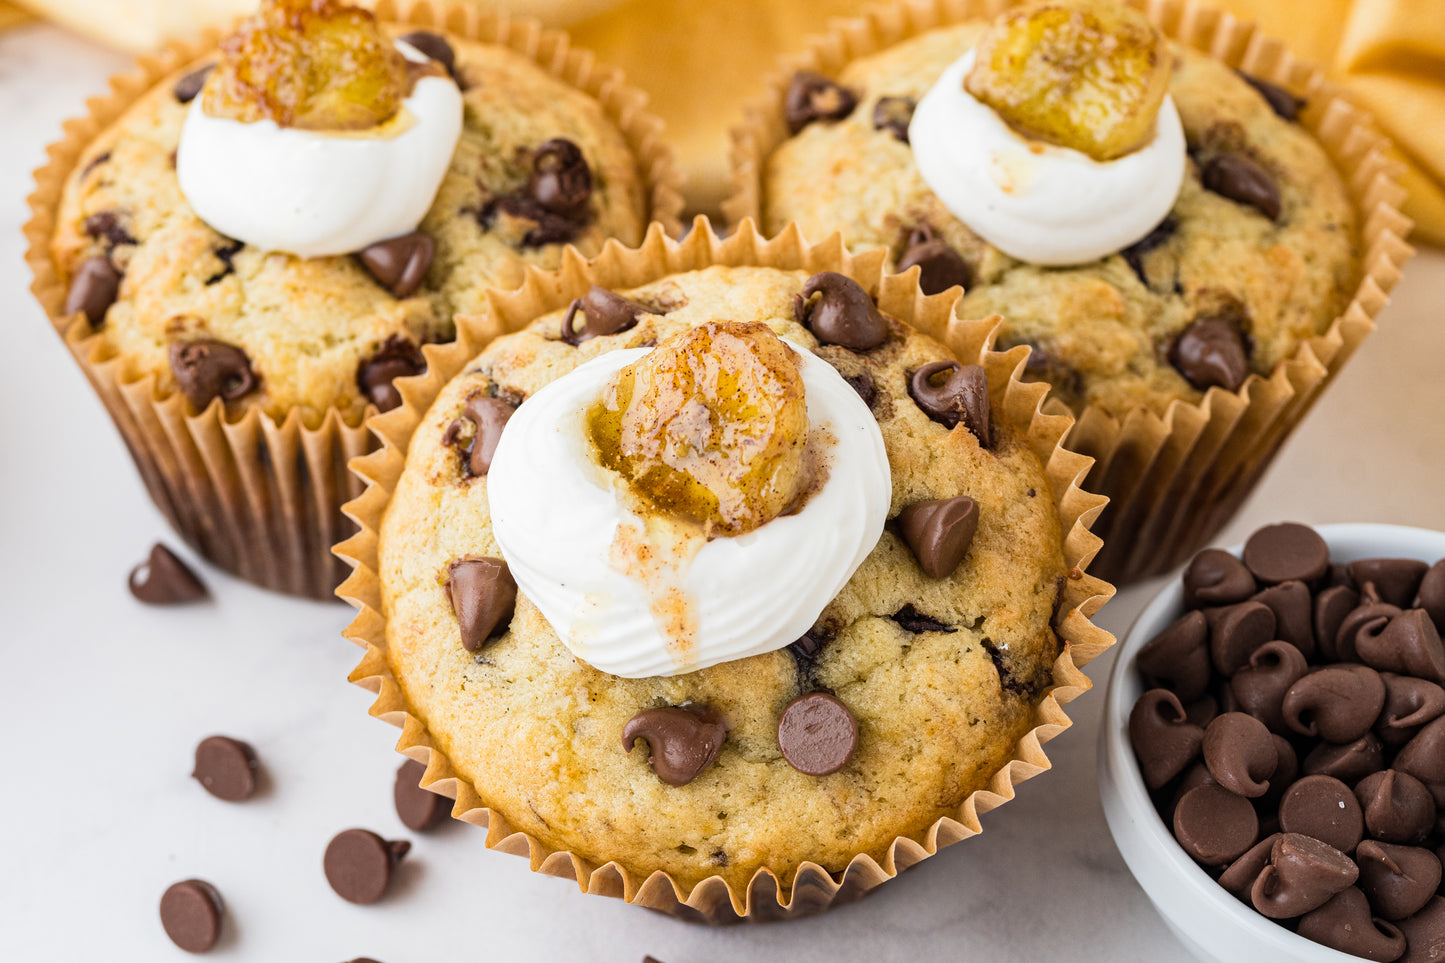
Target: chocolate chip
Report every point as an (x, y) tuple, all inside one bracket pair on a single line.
[(962, 397), (1408, 644), (817, 734), (1348, 763), (486, 418), (1244, 181), (359, 864), (1260, 687), (1425, 932), (1281, 101), (1424, 758), (226, 254), (682, 741), (548, 228), (227, 768), (1398, 807), (1330, 608), (163, 579), (603, 312), (1370, 618), (483, 595), (1235, 631), (1325, 808), (810, 644), (1286, 771), (1396, 580), (1215, 577), (1303, 874), (1157, 236), (191, 913), (811, 96), (1338, 703), (1397, 880), (1287, 552), (397, 358), (189, 86), (1293, 614), (400, 263), (207, 369), (912, 620), (941, 267), (843, 313), (1211, 353), (1431, 594), (560, 180), (1214, 825), (107, 225), (863, 383), (1164, 741), (1239, 876), (1178, 657), (1410, 702), (418, 809), (433, 45), (894, 114), (1345, 924), (939, 532), (93, 290), (1240, 754)]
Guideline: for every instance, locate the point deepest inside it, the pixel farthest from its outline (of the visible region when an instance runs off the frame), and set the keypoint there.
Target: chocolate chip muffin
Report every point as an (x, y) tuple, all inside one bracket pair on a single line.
[(1259, 252), (908, 692), (539, 164)]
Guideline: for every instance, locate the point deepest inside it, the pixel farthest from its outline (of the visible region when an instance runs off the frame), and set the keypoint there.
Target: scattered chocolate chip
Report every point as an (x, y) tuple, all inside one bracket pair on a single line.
[(396, 358), (1214, 825), (163, 579), (1163, 739), (1157, 236), (603, 312), (1239, 876), (189, 86), (1244, 181), (1281, 101), (1260, 687), (93, 290), (811, 96), (1396, 580), (207, 369), (191, 913), (1293, 614), (1211, 353), (1408, 644), (1348, 763), (1240, 754), (487, 417), (961, 398), (941, 267), (817, 734), (1303, 874), (682, 741), (560, 180), (1345, 924), (400, 263), (1424, 758), (1338, 703), (1215, 577), (107, 225), (912, 620), (1287, 552), (418, 809), (433, 45), (1425, 933), (939, 532), (1235, 631), (1178, 657), (227, 768), (483, 595), (359, 864), (1431, 594), (843, 313), (894, 114), (1397, 880), (1325, 808)]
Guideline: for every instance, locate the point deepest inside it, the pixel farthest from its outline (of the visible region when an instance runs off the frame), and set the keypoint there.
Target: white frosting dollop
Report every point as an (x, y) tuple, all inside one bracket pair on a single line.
[(566, 534), (321, 193), (1034, 201)]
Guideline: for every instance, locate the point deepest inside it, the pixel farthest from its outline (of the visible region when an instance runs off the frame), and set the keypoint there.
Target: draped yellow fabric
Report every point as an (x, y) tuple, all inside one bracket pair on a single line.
[(11, 15)]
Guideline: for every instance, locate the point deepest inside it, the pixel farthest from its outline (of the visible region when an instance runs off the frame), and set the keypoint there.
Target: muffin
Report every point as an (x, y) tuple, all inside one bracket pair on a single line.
[(239, 235), (1159, 244), (686, 659)]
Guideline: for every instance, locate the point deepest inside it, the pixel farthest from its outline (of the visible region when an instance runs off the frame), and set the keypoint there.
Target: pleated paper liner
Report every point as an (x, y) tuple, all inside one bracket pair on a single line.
[(262, 497), (1172, 481), (812, 888)]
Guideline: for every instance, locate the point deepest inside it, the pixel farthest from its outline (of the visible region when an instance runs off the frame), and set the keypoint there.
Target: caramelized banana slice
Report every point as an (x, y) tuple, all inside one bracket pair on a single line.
[(1086, 74)]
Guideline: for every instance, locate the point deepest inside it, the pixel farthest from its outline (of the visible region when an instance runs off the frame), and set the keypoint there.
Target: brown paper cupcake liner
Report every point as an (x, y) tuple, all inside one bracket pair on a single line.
[(1172, 481), (812, 888), (262, 497)]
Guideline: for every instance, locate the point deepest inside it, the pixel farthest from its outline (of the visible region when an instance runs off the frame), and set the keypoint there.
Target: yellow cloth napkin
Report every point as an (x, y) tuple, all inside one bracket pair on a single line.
[(11, 16)]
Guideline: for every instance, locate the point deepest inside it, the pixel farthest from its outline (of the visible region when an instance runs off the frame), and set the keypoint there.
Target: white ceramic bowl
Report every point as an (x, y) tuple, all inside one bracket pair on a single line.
[(1209, 921)]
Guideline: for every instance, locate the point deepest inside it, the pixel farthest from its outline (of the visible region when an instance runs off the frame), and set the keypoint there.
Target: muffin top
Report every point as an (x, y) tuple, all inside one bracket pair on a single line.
[(1257, 254), (940, 669), (212, 316)]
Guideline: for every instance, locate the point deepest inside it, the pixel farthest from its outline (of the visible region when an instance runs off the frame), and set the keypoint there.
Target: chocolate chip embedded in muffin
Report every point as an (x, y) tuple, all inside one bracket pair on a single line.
[(560, 180), (1211, 353), (812, 97), (475, 434), (189, 86), (838, 311), (191, 914), (483, 595), (435, 46), (93, 290), (939, 532), (207, 369), (817, 734), (108, 226), (1244, 181), (940, 266), (961, 397), (912, 620), (226, 254), (1281, 101), (163, 579), (400, 264), (682, 741), (359, 864), (894, 114), (396, 358), (603, 313)]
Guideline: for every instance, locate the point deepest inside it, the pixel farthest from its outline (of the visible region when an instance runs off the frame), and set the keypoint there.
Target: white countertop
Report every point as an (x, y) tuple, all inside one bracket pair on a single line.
[(107, 698)]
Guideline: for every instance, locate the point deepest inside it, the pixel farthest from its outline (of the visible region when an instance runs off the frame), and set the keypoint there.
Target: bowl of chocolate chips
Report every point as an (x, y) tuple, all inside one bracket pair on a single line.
[(1272, 758)]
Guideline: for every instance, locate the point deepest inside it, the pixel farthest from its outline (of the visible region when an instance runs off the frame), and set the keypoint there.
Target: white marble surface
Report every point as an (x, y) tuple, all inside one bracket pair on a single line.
[(105, 698)]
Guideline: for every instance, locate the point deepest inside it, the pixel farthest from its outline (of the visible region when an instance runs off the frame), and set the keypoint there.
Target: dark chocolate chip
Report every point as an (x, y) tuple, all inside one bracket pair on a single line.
[(93, 290), (1345, 924), (1157, 236), (1338, 703), (1303, 874), (189, 86), (1431, 594), (163, 579), (433, 45), (1287, 552), (560, 180), (1239, 876), (1211, 353), (1370, 618), (418, 809), (397, 358), (1281, 101), (207, 369), (1260, 687), (1240, 754), (1408, 644), (400, 263), (940, 266), (487, 417), (107, 224), (603, 313), (1214, 825), (359, 864), (1293, 614), (1398, 807), (1330, 609), (1397, 880), (817, 734), (810, 644), (1425, 932), (227, 768), (843, 313), (1178, 657), (1396, 580), (191, 913), (1235, 631), (483, 595), (1348, 763), (1164, 741), (962, 397), (939, 532), (1325, 808), (1215, 577), (1424, 758), (226, 254), (912, 620), (548, 228), (811, 96), (682, 741), (1244, 181), (894, 114), (863, 383)]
